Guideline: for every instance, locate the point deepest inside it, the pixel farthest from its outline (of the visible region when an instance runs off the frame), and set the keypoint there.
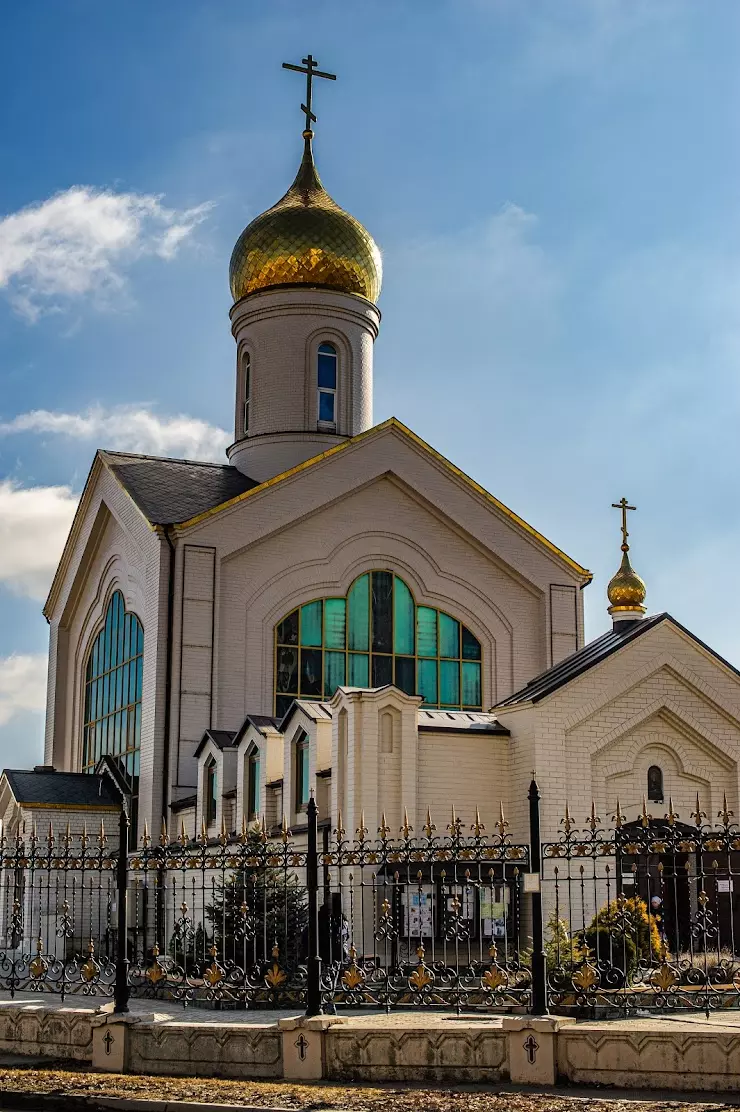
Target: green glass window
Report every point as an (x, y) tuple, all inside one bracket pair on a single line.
[(112, 697), (253, 786), (358, 611), (211, 792), (301, 770), (403, 619), (376, 636), (335, 623)]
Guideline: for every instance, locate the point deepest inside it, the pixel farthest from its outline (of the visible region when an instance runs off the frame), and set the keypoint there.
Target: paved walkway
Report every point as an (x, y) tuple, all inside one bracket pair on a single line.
[(160, 1011)]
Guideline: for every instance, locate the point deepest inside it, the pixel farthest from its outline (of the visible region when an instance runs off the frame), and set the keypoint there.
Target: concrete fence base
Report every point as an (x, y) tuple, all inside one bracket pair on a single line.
[(681, 1053)]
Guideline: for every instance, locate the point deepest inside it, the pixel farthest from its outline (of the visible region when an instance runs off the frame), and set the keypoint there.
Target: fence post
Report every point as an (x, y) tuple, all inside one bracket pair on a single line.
[(313, 986), (539, 960), (121, 991)]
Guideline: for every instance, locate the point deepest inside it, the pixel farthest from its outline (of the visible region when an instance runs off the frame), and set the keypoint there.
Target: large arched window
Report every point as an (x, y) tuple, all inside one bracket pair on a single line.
[(376, 635), (326, 378), (112, 707)]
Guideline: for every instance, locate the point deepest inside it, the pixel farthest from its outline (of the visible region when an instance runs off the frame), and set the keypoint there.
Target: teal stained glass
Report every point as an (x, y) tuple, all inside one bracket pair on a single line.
[(334, 669), (335, 623), (426, 631), (359, 670), (471, 693), (403, 618), (358, 614), (419, 648), (428, 681), (449, 683), (449, 636), (112, 696), (311, 624)]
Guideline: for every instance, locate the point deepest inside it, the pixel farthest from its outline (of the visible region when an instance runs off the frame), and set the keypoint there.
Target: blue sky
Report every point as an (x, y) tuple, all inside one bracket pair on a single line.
[(554, 187)]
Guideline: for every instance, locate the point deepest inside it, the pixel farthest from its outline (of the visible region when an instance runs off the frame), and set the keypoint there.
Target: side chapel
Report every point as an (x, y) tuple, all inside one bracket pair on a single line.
[(338, 609)]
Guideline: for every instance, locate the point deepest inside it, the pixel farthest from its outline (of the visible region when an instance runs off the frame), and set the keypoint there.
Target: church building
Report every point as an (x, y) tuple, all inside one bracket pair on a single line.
[(338, 609)]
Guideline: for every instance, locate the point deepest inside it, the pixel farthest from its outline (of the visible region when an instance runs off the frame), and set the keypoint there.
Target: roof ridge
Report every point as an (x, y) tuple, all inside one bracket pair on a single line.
[(167, 459), (588, 655)]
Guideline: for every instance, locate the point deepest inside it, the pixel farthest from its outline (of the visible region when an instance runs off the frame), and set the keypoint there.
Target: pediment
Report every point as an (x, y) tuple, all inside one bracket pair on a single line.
[(393, 452)]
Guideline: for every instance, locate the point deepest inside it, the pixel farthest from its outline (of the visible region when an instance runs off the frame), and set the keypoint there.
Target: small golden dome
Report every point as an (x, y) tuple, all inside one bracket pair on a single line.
[(306, 239), (626, 591)]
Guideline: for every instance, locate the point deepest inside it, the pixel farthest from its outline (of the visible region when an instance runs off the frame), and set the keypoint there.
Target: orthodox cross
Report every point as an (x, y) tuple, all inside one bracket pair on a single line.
[(531, 1046), (302, 1043), (309, 67), (623, 505)]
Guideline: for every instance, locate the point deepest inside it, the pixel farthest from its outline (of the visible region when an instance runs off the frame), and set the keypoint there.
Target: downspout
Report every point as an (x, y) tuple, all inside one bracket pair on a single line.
[(168, 673)]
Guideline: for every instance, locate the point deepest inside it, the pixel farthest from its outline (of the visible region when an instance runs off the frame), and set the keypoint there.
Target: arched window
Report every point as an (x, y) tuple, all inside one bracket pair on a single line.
[(302, 790), (247, 382), (326, 377), (112, 703), (655, 784), (374, 636), (211, 792), (253, 785)]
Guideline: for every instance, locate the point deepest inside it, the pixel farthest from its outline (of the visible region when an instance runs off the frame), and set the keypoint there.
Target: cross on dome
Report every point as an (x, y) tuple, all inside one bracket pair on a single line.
[(624, 507), (626, 591), (309, 67)]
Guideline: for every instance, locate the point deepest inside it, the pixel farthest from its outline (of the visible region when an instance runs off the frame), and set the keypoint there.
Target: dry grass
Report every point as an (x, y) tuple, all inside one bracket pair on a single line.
[(357, 1098)]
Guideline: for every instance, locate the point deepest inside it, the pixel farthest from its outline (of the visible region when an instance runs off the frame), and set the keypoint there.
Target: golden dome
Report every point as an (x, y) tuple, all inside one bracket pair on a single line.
[(306, 239), (626, 590)]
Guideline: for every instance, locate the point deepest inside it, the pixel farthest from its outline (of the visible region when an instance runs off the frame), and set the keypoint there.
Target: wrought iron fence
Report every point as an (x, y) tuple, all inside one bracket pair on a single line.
[(643, 915), (609, 918), (250, 920)]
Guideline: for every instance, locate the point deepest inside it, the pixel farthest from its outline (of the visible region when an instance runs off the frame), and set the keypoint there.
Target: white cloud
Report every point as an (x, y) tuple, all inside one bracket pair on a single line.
[(130, 429), (77, 242), (34, 522), (22, 684)]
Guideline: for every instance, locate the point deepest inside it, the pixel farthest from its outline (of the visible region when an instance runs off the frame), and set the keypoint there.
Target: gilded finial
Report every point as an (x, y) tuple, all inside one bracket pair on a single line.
[(626, 590), (306, 238)]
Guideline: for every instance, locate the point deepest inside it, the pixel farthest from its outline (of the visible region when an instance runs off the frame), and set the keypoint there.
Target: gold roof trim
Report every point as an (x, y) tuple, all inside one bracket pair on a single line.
[(394, 423)]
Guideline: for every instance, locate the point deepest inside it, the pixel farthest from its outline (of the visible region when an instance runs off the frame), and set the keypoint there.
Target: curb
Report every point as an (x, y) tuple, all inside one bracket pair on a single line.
[(23, 1101)]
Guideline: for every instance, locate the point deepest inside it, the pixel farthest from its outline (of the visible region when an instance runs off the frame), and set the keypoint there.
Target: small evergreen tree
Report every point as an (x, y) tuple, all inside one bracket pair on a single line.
[(625, 932), (257, 908)]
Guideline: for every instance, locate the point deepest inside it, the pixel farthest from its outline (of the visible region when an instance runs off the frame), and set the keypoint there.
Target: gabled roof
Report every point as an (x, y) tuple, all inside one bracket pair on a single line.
[(62, 790), (170, 491), (593, 653), (398, 426), (316, 711), (222, 739)]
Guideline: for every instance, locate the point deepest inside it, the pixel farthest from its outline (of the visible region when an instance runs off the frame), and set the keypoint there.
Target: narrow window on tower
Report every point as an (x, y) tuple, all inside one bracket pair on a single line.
[(302, 791), (326, 375), (247, 376), (211, 792), (253, 785)]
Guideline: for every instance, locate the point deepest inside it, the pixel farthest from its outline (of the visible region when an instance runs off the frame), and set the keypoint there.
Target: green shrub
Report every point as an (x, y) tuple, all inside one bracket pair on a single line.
[(629, 919), (561, 949), (618, 950)]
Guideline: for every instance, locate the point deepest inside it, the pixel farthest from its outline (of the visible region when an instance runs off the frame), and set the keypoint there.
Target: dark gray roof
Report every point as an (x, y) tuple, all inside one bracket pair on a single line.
[(62, 789), (223, 739), (168, 491), (579, 662), (259, 721), (184, 803)]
